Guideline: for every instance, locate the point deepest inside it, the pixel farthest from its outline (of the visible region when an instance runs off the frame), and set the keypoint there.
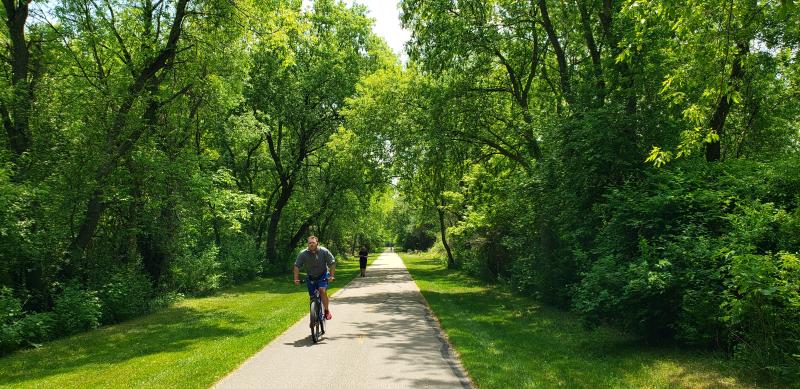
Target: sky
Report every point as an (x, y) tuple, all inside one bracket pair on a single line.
[(387, 22)]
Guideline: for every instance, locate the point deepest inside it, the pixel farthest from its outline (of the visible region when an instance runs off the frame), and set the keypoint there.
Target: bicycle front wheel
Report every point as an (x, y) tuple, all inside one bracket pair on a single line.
[(321, 316), (315, 320)]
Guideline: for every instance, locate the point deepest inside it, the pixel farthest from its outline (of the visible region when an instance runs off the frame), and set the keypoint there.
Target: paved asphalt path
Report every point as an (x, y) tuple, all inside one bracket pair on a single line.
[(382, 336)]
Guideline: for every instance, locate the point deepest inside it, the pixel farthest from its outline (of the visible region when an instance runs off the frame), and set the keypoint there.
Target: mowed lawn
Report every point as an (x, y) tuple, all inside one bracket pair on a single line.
[(192, 344), (507, 341)]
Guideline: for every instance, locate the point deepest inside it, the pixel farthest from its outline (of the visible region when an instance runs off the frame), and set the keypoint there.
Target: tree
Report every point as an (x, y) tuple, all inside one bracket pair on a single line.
[(25, 71), (297, 94), (715, 66)]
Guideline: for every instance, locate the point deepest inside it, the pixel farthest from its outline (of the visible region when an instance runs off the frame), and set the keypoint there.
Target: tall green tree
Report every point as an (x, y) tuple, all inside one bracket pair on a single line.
[(25, 64), (297, 94)]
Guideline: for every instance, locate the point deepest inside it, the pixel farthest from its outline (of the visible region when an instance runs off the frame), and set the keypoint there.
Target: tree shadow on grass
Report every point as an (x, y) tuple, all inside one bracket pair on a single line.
[(282, 284), (507, 340), (169, 330), (274, 285), (553, 348)]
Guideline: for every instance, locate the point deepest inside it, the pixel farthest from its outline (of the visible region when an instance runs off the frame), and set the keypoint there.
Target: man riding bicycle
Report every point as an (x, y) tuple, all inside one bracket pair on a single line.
[(320, 267)]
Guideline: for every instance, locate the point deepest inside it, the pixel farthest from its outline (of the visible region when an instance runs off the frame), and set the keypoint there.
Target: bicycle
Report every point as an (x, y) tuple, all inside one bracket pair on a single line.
[(317, 315)]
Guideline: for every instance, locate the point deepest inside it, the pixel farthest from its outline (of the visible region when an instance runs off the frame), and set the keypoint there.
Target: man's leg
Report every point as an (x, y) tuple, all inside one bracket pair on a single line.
[(323, 292)]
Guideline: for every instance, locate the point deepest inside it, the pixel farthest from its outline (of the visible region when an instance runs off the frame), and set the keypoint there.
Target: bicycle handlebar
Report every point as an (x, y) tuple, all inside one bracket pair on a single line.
[(297, 282)]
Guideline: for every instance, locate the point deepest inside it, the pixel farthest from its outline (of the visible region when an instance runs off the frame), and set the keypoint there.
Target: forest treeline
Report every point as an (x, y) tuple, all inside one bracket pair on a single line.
[(633, 161), (156, 147)]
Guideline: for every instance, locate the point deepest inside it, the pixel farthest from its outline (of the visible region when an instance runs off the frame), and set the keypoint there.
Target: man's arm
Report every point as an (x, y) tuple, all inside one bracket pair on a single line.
[(332, 269), (296, 274)]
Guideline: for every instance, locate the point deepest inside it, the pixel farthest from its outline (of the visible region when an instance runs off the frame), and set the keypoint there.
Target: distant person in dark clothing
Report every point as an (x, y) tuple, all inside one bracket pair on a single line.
[(362, 260)]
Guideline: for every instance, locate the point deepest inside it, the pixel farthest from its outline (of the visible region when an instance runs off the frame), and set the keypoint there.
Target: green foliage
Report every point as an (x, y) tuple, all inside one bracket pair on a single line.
[(484, 238), (701, 260), (174, 150), (762, 308), (419, 238), (11, 309), (76, 310), (165, 300), (514, 341), (239, 261), (149, 169), (407, 227), (18, 328), (124, 294), (197, 273)]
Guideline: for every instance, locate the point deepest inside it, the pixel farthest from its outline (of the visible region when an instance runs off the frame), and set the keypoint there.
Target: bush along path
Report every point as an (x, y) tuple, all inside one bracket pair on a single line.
[(507, 341), (191, 344)]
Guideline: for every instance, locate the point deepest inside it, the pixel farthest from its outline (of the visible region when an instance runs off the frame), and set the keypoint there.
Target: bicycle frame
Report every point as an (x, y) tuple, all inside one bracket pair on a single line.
[(317, 314)]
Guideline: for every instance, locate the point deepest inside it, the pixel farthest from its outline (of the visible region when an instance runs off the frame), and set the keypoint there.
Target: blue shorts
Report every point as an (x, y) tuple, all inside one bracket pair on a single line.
[(318, 282)]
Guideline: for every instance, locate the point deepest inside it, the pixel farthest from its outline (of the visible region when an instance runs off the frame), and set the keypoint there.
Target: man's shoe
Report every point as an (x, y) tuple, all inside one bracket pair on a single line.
[(328, 315)]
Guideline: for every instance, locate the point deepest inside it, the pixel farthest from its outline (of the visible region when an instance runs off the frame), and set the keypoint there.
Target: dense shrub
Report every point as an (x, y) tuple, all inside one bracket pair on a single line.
[(762, 295), (762, 310), (125, 294), (164, 300), (473, 243), (197, 273), (76, 310), (481, 245), (421, 237), (702, 254), (20, 329), (11, 310), (240, 261)]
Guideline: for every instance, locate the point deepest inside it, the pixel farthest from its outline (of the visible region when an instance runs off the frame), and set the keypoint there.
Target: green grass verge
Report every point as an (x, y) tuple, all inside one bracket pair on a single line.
[(192, 344), (508, 341)]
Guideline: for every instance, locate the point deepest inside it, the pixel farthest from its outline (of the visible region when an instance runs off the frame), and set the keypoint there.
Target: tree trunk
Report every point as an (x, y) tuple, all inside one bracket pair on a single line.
[(272, 229), (717, 124), (594, 51), (262, 223), (94, 209), (304, 228), (561, 58), (135, 208), (15, 120), (116, 149), (451, 263)]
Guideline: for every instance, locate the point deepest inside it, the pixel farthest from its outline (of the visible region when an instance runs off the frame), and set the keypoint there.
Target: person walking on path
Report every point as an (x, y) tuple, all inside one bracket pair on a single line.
[(362, 260), (320, 268)]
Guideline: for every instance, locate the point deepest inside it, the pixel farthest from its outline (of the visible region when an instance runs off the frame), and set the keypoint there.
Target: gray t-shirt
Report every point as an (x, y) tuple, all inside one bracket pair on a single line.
[(316, 263)]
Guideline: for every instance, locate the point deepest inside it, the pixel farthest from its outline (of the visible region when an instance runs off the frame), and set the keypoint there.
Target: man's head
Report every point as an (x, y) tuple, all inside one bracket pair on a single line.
[(312, 243)]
